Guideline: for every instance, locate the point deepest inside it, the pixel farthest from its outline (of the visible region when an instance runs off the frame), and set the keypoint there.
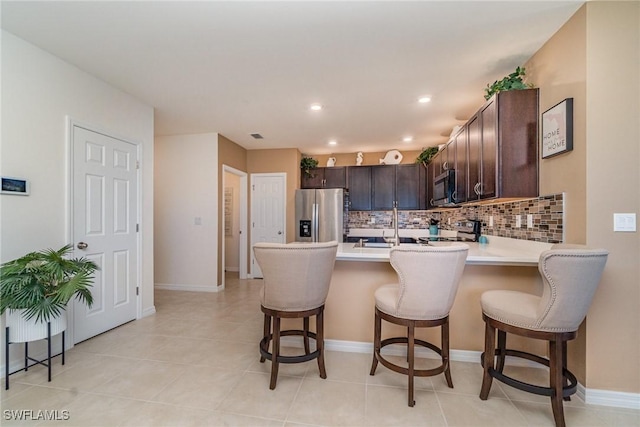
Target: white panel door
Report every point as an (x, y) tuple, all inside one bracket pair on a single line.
[(104, 208), (267, 212)]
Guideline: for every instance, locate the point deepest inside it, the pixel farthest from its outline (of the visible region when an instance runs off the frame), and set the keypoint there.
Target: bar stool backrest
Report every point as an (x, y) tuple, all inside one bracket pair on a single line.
[(429, 278), (296, 275), (570, 274)]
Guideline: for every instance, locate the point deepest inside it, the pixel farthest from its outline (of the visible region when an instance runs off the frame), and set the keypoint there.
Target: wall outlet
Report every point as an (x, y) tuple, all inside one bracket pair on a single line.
[(518, 221), (372, 220), (490, 220), (529, 221)]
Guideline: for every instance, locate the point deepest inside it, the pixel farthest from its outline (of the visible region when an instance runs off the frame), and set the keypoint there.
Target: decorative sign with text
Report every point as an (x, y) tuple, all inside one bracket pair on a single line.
[(557, 129)]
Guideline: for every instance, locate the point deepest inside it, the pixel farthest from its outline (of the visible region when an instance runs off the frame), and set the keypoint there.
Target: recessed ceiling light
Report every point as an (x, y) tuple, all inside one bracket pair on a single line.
[(333, 142), (407, 139), (424, 99), (316, 107)]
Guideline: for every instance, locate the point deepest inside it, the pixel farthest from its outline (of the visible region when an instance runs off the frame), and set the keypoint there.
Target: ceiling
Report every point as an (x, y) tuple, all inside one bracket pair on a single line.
[(239, 68)]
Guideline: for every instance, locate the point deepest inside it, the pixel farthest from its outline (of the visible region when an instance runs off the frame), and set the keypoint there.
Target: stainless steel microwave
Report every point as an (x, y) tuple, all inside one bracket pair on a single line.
[(444, 187)]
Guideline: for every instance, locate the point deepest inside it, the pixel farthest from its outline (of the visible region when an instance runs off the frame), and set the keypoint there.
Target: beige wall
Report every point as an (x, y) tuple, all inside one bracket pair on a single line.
[(233, 155), (186, 188), (373, 158), (613, 185), (282, 160), (594, 59)]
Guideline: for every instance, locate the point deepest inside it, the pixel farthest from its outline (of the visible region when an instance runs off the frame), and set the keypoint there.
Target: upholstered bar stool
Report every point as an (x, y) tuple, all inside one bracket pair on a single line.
[(570, 275), (429, 278), (296, 284)]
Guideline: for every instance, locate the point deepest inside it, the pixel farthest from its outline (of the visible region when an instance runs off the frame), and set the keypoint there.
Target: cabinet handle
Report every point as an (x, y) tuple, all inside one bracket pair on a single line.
[(475, 188), (431, 202), (445, 166), (480, 189), (454, 195), (324, 182)]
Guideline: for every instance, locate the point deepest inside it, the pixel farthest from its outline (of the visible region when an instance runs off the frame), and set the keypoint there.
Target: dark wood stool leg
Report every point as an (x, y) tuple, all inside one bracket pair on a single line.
[(266, 331), (275, 352), (377, 332), (411, 357), (320, 343), (489, 350), (444, 330), (502, 350), (305, 334), (565, 366), (556, 381)]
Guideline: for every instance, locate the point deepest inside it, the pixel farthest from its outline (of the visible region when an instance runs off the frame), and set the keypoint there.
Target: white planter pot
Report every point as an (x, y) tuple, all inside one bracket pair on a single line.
[(21, 330)]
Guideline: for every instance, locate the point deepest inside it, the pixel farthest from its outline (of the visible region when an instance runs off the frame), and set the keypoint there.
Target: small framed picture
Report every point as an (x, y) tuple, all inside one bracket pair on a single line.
[(15, 186), (557, 129)]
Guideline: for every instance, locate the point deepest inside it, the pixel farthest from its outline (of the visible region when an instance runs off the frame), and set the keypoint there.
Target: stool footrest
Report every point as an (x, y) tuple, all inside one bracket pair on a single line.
[(567, 390), (264, 348), (416, 372)]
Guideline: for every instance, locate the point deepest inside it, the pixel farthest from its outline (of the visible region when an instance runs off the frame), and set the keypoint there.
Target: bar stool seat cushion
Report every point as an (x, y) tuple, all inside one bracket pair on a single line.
[(511, 307)]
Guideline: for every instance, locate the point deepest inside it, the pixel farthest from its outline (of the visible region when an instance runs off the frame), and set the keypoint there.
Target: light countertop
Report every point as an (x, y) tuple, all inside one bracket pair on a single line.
[(499, 251)]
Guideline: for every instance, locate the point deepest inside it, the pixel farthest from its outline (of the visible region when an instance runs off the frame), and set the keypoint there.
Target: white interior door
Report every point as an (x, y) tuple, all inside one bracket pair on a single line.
[(104, 207), (268, 212)]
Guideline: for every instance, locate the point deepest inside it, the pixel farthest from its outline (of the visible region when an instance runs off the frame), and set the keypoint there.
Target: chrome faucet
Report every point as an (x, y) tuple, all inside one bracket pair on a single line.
[(395, 240)]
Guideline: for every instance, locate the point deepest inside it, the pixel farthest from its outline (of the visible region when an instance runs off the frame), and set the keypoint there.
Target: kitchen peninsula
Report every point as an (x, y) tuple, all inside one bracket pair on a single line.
[(502, 264)]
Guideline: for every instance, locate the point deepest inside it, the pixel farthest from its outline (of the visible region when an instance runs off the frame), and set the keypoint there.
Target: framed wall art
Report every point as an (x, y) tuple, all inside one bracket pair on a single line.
[(557, 129)]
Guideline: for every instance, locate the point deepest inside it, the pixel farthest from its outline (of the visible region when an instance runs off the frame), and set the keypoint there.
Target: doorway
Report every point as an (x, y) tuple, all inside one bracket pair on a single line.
[(104, 206), (234, 239), (268, 212)]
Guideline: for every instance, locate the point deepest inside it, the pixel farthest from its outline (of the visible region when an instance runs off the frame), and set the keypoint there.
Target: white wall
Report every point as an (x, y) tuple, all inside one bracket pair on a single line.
[(39, 92), (186, 188)]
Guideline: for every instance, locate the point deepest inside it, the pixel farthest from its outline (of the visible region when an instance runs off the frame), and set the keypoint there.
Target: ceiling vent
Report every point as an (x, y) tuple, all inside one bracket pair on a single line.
[(257, 136)]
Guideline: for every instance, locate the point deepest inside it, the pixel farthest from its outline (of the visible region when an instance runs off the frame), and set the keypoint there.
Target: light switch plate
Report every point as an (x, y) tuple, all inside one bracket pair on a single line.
[(518, 221), (490, 220), (624, 222), (529, 221)]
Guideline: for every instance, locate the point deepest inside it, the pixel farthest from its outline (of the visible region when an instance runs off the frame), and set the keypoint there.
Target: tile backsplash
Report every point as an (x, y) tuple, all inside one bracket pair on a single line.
[(546, 212)]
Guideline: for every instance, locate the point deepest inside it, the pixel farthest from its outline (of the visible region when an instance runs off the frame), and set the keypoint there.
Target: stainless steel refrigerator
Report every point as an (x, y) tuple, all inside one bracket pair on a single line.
[(320, 215)]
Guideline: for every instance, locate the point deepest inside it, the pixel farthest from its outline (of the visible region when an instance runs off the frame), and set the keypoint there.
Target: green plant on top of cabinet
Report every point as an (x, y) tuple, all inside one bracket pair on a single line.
[(329, 177)]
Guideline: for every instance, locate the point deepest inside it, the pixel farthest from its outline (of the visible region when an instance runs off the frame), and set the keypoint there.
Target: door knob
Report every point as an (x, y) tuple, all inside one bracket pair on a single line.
[(82, 245), (279, 232)]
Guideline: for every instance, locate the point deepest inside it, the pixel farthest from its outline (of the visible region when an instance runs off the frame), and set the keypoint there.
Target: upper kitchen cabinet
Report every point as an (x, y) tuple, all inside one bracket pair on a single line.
[(359, 188), (402, 185), (503, 147), (330, 177)]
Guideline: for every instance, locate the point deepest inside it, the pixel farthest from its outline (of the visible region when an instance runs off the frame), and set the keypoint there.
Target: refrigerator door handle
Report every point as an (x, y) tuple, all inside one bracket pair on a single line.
[(314, 222)]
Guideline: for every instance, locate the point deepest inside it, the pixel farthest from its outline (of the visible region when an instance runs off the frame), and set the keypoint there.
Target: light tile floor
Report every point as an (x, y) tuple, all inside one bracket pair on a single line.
[(195, 363)]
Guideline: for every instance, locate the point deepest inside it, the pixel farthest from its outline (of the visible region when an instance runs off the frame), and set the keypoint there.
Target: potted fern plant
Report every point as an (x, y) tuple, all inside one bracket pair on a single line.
[(511, 82), (308, 163), (36, 288), (426, 155)]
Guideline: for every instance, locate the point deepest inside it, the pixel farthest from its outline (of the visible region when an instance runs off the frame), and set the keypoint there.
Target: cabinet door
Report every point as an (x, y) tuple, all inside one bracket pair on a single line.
[(460, 145), (359, 182), (489, 151), (473, 161), (335, 177), (383, 186), (408, 186), (430, 180), (313, 179)]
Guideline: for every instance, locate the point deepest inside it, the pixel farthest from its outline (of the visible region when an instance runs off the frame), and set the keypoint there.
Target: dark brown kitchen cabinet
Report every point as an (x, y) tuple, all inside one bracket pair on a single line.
[(459, 145), (411, 186), (503, 143), (359, 184), (330, 177), (495, 154), (383, 186)]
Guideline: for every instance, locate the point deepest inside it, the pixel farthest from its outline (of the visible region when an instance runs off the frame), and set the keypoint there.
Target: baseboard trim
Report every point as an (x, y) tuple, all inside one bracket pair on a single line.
[(148, 311), (188, 288), (617, 399)]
